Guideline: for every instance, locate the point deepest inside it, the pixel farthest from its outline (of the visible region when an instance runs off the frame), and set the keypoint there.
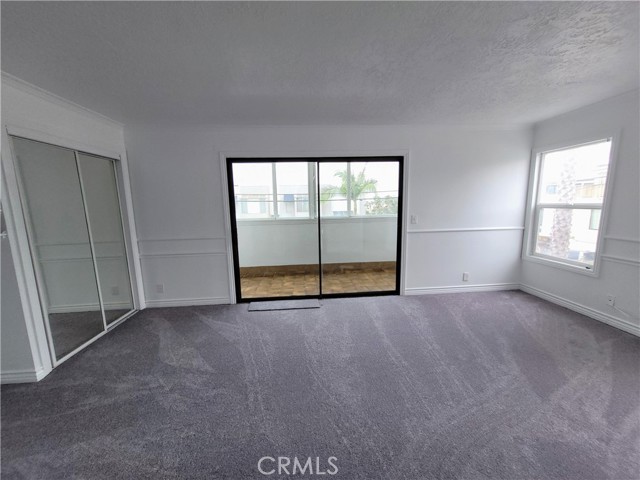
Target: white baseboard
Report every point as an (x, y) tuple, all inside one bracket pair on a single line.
[(486, 287), (187, 302), (584, 310), (23, 376)]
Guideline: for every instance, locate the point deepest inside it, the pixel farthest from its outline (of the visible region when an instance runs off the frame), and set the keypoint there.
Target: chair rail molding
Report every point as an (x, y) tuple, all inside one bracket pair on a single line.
[(621, 238), (465, 229)]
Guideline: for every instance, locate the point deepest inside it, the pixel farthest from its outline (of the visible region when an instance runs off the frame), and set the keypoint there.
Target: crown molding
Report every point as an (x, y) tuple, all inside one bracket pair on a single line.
[(26, 87)]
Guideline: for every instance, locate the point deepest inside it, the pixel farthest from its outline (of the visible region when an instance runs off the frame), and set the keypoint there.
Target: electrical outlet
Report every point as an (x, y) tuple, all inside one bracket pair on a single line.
[(414, 219), (611, 300), (160, 288), (115, 291), (465, 276)]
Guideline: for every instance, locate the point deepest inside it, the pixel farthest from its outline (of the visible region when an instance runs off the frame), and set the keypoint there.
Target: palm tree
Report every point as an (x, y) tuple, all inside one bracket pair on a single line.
[(563, 217), (358, 184)]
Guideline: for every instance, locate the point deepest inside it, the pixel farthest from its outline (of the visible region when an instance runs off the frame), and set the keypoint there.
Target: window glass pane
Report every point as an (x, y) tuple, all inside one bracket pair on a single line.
[(575, 175), (374, 188), (594, 222), (566, 233), (293, 189), (333, 189), (302, 203), (253, 187)]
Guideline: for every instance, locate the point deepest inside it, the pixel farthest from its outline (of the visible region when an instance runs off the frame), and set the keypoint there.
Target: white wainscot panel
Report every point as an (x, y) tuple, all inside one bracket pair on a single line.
[(436, 260), (621, 249), (186, 279), (180, 246)]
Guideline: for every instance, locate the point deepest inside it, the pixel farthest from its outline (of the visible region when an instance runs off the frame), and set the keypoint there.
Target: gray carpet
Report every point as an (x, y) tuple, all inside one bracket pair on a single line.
[(474, 386), (284, 305)]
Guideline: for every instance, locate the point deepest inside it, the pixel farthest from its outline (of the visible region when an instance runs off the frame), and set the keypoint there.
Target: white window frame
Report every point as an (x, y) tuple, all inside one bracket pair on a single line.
[(533, 208)]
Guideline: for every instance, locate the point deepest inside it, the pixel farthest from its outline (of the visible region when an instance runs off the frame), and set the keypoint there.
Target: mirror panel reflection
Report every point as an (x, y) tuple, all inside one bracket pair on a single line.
[(105, 221), (59, 236)]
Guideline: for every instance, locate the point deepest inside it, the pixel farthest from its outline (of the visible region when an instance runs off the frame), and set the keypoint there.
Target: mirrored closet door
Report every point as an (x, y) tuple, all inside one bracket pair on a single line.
[(72, 210), (105, 223)]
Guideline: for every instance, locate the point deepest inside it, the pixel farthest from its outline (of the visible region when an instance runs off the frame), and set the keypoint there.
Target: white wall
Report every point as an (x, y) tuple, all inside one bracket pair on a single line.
[(33, 113), (470, 182), (620, 274)]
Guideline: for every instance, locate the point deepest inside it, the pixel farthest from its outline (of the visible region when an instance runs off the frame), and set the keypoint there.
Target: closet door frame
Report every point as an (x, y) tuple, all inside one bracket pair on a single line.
[(20, 236)]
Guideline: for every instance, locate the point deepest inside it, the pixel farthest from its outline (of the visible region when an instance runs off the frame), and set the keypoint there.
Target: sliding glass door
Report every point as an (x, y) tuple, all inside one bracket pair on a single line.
[(358, 215), (276, 233), (315, 227), (74, 224)]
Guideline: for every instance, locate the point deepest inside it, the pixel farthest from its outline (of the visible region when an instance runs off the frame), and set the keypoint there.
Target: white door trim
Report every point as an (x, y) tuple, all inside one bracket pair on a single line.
[(224, 155)]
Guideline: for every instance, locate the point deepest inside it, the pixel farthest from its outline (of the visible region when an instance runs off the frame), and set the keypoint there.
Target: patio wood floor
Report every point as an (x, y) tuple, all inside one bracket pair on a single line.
[(295, 284)]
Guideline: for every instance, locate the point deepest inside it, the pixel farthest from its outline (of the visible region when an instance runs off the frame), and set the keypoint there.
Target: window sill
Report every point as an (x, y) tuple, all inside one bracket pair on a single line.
[(582, 270)]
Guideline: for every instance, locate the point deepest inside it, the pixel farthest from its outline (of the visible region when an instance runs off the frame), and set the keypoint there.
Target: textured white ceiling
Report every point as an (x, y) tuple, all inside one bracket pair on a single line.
[(325, 63)]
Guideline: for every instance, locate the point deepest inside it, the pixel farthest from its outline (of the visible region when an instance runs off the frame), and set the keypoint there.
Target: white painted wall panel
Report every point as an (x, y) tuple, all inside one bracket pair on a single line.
[(176, 183), (186, 279), (621, 248), (439, 259)]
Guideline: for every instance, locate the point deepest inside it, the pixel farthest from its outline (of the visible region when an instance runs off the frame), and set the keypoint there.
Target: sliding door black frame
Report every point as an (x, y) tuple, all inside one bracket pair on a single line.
[(318, 161)]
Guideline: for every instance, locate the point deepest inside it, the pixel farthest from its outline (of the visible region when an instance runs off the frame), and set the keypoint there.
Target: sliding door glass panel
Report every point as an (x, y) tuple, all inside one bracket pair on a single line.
[(105, 223), (292, 186), (375, 189), (333, 189), (52, 197), (253, 189), (359, 226), (277, 230)]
